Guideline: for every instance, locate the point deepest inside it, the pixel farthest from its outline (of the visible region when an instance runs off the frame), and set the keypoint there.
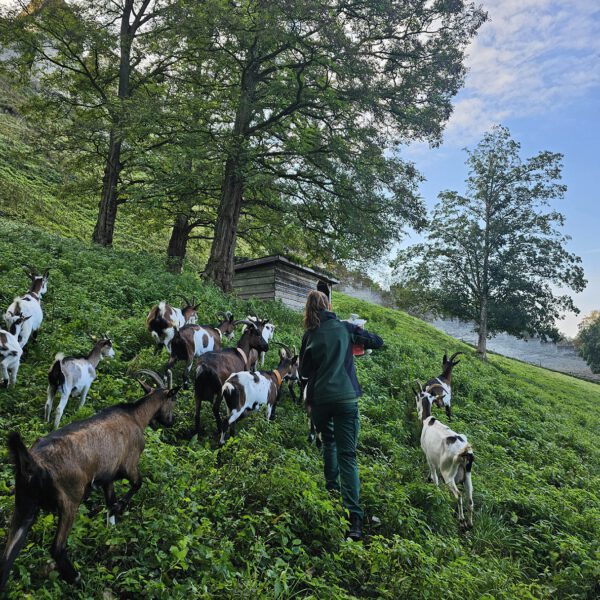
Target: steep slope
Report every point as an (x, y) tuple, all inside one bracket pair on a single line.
[(253, 519)]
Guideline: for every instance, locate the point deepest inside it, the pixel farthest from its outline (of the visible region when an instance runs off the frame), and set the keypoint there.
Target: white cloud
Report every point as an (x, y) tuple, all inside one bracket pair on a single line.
[(532, 57)]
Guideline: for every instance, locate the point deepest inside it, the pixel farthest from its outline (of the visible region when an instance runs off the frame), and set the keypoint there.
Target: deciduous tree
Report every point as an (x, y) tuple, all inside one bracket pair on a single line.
[(496, 255)]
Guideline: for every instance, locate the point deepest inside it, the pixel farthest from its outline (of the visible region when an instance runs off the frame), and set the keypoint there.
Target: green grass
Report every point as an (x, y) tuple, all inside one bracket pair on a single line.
[(253, 519)]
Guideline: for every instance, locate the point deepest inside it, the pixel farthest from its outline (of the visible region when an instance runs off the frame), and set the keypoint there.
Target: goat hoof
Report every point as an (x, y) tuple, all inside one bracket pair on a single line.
[(5, 383)]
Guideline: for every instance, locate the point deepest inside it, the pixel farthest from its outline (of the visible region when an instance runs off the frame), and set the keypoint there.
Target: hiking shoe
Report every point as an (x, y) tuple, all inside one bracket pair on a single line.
[(355, 531)]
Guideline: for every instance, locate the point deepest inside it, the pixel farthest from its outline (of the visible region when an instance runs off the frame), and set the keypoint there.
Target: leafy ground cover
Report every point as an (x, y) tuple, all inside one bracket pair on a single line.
[(253, 519)]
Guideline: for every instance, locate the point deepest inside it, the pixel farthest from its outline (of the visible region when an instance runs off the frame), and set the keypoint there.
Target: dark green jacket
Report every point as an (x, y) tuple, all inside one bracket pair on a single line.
[(326, 359)]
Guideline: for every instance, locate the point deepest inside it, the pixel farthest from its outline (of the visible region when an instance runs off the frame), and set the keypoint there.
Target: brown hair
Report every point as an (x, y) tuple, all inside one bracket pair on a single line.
[(315, 302)]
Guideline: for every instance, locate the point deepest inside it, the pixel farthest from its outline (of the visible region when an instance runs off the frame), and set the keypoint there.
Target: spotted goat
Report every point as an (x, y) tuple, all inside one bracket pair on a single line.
[(164, 320), (74, 376), (447, 452), (246, 391), (192, 341), (59, 471), (10, 353), (28, 305)]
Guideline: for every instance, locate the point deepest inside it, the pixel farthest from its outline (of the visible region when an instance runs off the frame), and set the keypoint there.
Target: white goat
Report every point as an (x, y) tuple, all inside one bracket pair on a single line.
[(10, 356), (447, 452), (28, 305), (74, 376)]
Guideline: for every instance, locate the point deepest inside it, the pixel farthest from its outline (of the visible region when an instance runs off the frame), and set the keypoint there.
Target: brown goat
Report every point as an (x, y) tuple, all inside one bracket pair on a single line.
[(215, 367), (57, 473), (441, 387), (192, 341)]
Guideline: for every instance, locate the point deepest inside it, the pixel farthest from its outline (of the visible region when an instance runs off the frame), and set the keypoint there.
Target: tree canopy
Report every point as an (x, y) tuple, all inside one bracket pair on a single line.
[(496, 255), (588, 341)]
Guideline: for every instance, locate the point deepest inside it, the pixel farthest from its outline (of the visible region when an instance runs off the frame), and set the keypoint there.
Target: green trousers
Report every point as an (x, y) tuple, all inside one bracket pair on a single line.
[(338, 424)]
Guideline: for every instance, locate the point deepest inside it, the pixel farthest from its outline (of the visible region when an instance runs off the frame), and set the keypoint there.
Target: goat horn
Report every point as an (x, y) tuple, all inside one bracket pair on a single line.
[(153, 375), (286, 348), (168, 380), (420, 386), (187, 302), (455, 355), (245, 322)]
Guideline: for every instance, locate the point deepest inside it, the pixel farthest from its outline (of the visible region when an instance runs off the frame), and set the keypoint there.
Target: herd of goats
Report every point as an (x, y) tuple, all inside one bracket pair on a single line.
[(59, 471)]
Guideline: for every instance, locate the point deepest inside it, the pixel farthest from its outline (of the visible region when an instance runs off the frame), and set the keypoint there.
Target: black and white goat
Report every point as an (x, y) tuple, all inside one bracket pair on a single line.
[(447, 452), (441, 387), (247, 391), (192, 341), (10, 353), (74, 376), (57, 473), (28, 305), (164, 320)]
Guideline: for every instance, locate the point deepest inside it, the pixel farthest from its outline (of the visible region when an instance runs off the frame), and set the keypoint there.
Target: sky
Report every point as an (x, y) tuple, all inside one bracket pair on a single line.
[(535, 68)]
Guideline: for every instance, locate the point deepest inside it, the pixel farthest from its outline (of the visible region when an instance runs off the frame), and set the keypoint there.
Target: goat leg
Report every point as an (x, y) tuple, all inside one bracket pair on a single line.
[(59, 546), (135, 481), (111, 501), (20, 526)]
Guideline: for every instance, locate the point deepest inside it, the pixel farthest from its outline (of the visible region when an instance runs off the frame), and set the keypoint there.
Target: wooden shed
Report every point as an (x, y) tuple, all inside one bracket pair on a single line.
[(277, 278)]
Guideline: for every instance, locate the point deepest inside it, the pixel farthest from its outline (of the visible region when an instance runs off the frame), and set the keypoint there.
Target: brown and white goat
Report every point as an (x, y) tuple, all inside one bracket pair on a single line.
[(192, 341), (245, 391), (441, 387), (57, 473), (74, 376), (164, 320), (29, 305), (268, 333), (215, 367), (10, 353), (447, 452)]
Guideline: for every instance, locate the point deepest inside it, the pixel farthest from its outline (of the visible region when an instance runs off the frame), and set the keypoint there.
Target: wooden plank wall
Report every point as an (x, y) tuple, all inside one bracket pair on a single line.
[(275, 281), (255, 283), (292, 286)]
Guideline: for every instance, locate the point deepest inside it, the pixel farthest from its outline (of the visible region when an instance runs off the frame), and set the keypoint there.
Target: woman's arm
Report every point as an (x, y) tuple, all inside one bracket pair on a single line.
[(363, 338)]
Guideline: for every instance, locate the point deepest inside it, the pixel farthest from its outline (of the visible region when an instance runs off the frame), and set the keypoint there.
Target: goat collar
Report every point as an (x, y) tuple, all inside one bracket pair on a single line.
[(244, 356), (278, 376)]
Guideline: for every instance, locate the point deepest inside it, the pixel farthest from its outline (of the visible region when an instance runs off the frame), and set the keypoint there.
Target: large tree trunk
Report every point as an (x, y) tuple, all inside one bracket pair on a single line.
[(219, 267), (177, 249), (107, 209), (222, 253), (107, 212), (483, 329)]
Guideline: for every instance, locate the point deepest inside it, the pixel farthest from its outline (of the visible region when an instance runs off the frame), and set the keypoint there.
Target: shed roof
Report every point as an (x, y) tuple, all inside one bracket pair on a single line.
[(277, 258)]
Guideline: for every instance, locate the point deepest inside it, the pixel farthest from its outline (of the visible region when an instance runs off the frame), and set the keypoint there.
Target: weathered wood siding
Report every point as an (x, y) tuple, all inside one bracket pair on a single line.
[(275, 281), (292, 285), (255, 283)]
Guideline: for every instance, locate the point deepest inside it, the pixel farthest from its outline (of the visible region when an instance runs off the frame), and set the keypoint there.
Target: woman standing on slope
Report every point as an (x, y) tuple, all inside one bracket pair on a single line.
[(332, 390)]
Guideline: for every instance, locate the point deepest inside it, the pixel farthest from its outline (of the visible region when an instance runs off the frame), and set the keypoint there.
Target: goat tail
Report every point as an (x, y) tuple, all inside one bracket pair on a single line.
[(230, 394), (25, 466), (56, 377), (467, 454)]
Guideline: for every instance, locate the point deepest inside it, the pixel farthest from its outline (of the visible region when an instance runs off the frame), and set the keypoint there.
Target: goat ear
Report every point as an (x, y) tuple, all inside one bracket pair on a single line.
[(46, 273), (173, 392), (445, 359), (147, 388), (282, 353), (295, 360)]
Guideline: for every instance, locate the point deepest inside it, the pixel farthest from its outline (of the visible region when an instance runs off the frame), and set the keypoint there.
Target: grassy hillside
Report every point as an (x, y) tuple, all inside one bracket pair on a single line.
[(253, 519)]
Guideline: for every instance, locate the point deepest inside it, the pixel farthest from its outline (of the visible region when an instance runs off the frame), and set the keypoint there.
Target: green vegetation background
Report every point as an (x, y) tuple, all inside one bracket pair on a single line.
[(253, 519)]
